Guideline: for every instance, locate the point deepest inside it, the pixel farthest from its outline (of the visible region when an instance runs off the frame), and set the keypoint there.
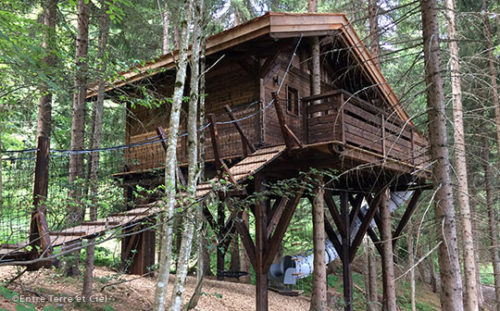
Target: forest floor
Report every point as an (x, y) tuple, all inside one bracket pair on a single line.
[(136, 293), (48, 290)]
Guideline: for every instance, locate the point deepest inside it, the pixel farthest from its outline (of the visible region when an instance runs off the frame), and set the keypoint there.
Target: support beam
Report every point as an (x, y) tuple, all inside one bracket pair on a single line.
[(412, 205), (246, 240), (332, 207), (281, 121), (221, 254), (356, 207), (275, 215), (365, 224), (332, 236), (275, 240)]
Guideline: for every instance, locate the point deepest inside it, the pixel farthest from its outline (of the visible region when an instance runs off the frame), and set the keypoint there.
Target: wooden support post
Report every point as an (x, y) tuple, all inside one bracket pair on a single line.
[(246, 142), (139, 261), (215, 145), (345, 255), (356, 208), (275, 215), (342, 119), (332, 207), (332, 236), (412, 205), (39, 230), (275, 240), (260, 250), (246, 240), (365, 224)]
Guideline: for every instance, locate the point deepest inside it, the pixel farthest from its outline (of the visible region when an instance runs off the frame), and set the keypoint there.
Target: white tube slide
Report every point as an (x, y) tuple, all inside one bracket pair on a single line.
[(291, 268)]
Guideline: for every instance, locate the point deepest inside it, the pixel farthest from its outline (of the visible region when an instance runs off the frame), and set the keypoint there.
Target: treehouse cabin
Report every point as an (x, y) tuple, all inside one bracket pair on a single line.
[(264, 121), (356, 116)]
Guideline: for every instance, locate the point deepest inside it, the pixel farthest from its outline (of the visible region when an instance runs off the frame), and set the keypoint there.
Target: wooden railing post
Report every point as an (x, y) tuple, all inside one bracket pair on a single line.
[(382, 125), (39, 230), (342, 121)]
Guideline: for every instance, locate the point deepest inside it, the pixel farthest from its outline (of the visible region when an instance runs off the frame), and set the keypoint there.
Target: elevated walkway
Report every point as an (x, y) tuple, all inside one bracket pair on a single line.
[(239, 173)]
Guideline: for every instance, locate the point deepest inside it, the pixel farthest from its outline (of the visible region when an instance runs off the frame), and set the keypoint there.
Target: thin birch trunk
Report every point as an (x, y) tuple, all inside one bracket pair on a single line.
[(389, 286), (96, 141), (470, 282), (476, 234), (319, 288), (493, 233), (193, 165), (451, 280), (171, 165), (166, 25), (75, 175), (411, 263), (370, 276)]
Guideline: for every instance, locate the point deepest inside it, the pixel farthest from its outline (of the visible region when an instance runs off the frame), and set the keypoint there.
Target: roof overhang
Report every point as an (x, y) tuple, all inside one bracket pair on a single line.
[(276, 25)]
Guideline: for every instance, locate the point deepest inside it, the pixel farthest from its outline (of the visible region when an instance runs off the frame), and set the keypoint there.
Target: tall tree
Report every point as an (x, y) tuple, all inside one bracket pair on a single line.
[(95, 139), (75, 213), (166, 24), (492, 224), (170, 160), (193, 162), (371, 264), (451, 280), (48, 62), (470, 283), (389, 286), (493, 71)]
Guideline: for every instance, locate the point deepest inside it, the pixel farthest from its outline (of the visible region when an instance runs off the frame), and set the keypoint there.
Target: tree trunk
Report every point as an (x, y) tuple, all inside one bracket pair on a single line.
[(374, 31), (312, 6), (389, 286), (49, 60), (319, 288), (451, 280), (411, 263), (493, 71), (166, 24), (170, 163), (470, 282), (493, 233), (370, 276), (1, 191), (96, 141), (75, 212), (476, 234), (193, 163)]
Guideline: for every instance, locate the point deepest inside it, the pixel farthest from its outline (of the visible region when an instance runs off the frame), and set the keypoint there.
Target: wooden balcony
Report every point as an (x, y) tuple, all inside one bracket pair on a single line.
[(344, 118)]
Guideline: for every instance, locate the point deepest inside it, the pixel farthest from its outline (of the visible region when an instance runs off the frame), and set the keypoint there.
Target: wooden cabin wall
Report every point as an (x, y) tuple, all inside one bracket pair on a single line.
[(298, 78), (227, 84)]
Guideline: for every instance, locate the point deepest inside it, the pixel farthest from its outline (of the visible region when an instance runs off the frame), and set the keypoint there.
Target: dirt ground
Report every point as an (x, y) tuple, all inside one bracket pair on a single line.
[(45, 287)]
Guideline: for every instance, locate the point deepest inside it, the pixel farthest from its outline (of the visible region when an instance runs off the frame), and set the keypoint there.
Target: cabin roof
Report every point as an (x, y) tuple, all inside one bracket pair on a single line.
[(276, 25)]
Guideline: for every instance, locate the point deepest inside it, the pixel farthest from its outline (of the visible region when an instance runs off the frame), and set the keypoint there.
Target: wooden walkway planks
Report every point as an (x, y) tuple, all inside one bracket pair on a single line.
[(242, 171)]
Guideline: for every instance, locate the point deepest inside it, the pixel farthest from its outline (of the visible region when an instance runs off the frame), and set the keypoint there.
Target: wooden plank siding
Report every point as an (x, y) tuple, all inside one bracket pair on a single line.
[(227, 84)]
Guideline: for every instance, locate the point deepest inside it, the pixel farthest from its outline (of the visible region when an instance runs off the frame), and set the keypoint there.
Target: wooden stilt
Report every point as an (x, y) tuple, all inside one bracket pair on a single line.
[(260, 250), (345, 256)]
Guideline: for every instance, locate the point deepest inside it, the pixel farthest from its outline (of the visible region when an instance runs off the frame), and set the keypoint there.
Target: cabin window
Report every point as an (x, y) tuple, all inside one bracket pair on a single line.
[(292, 101)]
